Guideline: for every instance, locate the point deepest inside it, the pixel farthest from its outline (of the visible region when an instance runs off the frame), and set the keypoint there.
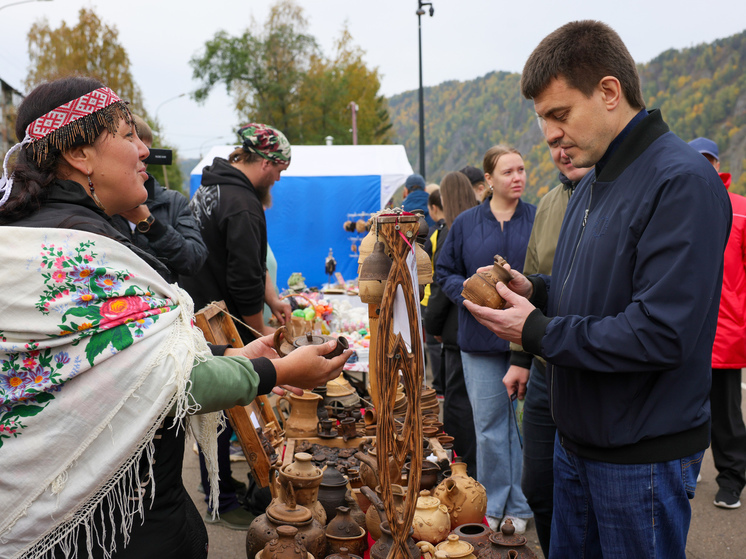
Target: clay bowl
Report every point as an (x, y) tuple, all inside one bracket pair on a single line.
[(445, 439), (429, 431)]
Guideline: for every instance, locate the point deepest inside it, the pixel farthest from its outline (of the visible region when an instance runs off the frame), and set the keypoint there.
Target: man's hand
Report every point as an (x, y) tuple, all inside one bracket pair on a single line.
[(518, 284), (506, 323), (515, 381), (281, 309), (261, 347), (307, 368)]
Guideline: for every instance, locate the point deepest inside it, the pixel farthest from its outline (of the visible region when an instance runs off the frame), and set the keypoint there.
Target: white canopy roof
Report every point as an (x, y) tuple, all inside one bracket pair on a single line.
[(388, 161)]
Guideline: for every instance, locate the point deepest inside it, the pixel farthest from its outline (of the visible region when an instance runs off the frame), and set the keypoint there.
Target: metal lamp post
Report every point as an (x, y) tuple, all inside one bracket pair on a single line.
[(420, 13)]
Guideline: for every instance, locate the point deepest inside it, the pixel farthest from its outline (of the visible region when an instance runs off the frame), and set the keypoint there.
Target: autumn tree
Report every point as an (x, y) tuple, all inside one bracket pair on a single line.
[(278, 75), (91, 47)]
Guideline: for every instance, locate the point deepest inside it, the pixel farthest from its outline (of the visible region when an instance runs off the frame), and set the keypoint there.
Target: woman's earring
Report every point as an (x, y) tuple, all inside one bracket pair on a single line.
[(93, 195)]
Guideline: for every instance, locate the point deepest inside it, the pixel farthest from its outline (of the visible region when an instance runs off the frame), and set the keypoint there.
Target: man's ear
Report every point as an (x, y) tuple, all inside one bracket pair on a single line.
[(80, 158), (611, 92)]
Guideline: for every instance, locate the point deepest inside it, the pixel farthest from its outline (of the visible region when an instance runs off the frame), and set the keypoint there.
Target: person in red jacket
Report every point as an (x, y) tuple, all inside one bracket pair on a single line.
[(729, 352)]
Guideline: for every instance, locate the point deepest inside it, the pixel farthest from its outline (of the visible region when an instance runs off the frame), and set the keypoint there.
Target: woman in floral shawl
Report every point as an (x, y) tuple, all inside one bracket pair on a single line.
[(101, 369)]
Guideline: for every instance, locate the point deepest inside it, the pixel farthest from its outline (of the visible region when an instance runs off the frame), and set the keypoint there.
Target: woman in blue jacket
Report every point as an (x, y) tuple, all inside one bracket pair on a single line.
[(500, 225)]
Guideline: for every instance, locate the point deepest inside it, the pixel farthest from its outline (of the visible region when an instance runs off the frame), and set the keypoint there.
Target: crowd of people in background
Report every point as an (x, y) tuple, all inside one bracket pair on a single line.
[(624, 330)]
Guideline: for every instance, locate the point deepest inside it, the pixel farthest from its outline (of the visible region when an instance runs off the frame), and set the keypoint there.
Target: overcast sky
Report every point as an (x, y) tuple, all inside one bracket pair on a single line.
[(465, 39)]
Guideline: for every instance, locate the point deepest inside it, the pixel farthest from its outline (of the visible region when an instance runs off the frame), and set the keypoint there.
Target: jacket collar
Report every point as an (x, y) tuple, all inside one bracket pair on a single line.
[(637, 141)]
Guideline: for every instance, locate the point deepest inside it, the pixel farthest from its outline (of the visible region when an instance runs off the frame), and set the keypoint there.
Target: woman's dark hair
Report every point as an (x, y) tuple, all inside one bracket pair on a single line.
[(457, 195), (434, 199), (37, 164)]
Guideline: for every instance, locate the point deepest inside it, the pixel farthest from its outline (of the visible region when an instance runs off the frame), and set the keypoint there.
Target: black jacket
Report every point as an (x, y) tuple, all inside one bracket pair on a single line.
[(68, 206), (231, 219), (633, 302), (441, 314), (174, 236)]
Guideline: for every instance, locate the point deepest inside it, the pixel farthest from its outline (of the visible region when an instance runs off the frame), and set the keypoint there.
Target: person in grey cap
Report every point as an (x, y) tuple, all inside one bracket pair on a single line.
[(728, 433), (415, 197), (478, 183)]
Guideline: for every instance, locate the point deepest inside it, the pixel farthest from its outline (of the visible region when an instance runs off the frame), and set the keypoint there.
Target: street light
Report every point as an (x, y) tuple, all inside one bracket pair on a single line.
[(420, 13), (158, 108), (22, 2)]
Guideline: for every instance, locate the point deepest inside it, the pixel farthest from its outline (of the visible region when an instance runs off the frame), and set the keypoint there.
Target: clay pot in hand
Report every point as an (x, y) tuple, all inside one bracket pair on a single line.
[(480, 288), (381, 548), (344, 532), (431, 521), (285, 546), (284, 343), (464, 497)]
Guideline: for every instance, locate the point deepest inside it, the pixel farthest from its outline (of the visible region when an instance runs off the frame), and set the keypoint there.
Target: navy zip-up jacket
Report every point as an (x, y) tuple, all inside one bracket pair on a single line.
[(633, 302), (472, 242)]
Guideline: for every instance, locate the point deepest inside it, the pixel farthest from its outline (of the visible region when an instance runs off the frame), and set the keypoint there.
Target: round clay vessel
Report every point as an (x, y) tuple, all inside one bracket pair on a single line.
[(285, 546), (478, 535), (464, 497), (431, 521), (428, 474), (332, 490), (264, 529), (456, 549), (480, 288), (343, 553)]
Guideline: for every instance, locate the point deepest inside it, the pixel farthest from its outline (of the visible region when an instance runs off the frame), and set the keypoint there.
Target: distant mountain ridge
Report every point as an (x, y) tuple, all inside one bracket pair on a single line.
[(701, 91)]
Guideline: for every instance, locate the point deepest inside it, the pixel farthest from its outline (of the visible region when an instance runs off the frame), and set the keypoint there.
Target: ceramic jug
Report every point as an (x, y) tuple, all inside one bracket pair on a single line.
[(464, 497), (302, 423), (376, 513)]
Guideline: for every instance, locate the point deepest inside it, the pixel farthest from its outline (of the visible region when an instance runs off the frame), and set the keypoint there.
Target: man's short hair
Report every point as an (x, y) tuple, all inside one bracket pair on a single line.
[(241, 155), (582, 52), (143, 130)]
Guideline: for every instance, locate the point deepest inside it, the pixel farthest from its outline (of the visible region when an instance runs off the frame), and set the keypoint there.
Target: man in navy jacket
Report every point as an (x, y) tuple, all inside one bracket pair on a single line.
[(627, 320)]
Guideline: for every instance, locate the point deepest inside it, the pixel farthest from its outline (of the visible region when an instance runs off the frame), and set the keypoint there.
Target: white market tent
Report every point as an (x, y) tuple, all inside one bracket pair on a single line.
[(314, 197)]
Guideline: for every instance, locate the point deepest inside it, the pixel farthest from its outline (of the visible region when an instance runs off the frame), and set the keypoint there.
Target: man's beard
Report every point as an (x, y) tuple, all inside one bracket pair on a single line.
[(265, 197)]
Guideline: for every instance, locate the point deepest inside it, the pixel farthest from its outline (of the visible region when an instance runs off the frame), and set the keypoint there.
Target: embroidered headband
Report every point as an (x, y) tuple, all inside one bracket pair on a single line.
[(61, 127), (265, 141)]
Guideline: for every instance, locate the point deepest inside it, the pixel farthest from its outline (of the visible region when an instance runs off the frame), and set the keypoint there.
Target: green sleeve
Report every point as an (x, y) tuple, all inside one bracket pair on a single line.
[(223, 382)]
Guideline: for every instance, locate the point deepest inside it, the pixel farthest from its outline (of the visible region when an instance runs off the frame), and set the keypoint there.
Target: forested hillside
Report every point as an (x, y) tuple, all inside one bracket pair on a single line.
[(701, 92)]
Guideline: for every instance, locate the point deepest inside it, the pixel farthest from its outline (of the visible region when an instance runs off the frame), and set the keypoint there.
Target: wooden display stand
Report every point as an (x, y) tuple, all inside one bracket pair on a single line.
[(218, 329)]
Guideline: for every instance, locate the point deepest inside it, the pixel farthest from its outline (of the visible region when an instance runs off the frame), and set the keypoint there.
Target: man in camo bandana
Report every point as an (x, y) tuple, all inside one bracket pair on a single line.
[(265, 141)]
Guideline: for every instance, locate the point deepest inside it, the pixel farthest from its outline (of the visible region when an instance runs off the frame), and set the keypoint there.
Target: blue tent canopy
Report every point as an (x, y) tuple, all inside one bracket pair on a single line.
[(316, 195)]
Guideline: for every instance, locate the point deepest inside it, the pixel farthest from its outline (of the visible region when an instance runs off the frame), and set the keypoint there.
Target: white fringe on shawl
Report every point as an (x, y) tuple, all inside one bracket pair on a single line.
[(78, 453)]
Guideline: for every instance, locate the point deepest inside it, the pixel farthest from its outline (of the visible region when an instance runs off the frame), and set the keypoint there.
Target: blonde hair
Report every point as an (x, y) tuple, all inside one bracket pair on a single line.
[(143, 130)]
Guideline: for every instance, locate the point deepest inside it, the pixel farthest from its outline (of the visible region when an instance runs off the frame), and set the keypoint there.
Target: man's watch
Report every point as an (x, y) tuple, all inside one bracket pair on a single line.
[(144, 225)]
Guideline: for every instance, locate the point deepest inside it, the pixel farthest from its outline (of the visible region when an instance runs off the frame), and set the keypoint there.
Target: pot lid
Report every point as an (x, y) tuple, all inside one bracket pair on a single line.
[(333, 477), (280, 512), (309, 339), (303, 466), (427, 501), (455, 548)]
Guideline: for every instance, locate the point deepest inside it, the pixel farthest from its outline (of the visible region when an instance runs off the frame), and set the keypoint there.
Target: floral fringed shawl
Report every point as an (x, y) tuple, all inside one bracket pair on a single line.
[(95, 350)]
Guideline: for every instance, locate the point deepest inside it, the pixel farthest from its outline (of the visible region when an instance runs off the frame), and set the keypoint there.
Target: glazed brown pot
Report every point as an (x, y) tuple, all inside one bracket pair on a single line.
[(381, 548), (478, 535), (264, 529), (480, 288), (428, 475), (332, 491)]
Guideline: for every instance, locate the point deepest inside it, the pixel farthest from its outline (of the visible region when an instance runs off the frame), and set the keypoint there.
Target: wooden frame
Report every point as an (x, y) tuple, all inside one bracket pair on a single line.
[(218, 329)]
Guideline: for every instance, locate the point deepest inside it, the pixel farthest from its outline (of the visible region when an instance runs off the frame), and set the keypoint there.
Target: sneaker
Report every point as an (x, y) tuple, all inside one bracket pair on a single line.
[(727, 499), (699, 478), (494, 523), (236, 519), (518, 523)]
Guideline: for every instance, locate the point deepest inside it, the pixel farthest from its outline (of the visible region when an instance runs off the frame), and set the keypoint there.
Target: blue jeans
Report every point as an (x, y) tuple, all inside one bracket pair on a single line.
[(621, 510), (499, 452)]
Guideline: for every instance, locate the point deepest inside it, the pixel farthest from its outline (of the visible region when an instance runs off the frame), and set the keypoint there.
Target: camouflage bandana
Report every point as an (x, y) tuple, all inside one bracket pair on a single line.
[(265, 141)]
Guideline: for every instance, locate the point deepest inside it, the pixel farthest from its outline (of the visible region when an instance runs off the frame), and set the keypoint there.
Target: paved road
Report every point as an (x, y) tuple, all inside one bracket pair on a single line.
[(714, 534)]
